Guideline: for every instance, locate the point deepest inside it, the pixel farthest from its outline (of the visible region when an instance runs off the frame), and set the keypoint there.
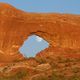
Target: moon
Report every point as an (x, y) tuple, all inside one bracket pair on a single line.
[(39, 39)]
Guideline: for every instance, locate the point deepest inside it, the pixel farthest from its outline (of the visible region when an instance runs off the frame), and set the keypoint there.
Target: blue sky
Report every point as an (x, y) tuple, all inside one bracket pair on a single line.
[(60, 6), (33, 45)]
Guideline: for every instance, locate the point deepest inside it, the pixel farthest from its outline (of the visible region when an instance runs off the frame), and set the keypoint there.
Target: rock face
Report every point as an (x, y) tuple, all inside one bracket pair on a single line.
[(62, 31)]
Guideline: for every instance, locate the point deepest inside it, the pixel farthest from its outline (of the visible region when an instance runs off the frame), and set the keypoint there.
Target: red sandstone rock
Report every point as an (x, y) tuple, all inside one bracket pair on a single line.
[(62, 31)]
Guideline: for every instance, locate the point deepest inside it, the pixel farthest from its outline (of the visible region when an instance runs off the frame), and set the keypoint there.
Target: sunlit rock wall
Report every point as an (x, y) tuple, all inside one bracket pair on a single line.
[(60, 30)]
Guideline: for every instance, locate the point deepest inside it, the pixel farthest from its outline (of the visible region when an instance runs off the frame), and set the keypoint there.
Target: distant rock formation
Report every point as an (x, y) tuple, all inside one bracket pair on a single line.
[(60, 30)]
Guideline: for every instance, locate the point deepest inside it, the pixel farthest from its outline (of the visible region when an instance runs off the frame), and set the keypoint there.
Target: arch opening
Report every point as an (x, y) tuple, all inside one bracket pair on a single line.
[(33, 45)]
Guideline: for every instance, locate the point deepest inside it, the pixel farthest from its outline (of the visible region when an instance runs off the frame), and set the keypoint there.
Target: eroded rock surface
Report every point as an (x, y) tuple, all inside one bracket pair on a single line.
[(62, 58)]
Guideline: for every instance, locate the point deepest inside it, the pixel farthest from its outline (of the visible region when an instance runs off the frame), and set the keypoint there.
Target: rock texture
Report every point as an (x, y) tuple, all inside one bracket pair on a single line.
[(62, 31)]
